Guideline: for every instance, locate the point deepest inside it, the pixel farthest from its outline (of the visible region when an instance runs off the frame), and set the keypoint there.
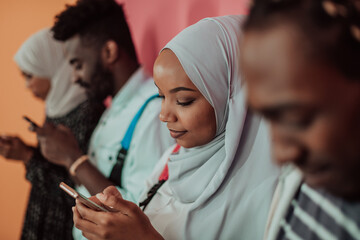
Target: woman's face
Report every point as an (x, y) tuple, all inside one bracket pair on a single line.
[(38, 86), (189, 116)]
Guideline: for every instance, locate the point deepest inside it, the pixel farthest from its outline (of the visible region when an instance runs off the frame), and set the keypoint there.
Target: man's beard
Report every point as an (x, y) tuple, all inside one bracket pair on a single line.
[(101, 84)]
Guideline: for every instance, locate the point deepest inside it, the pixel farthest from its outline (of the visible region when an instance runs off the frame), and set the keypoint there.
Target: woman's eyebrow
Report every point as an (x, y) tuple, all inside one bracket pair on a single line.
[(174, 90)]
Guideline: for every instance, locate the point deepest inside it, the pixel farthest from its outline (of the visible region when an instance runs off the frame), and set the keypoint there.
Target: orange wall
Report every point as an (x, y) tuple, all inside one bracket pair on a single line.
[(18, 20)]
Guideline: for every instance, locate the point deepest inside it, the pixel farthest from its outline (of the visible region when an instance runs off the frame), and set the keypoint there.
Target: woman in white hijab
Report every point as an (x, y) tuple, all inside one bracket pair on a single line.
[(220, 177), (43, 57), (47, 73)]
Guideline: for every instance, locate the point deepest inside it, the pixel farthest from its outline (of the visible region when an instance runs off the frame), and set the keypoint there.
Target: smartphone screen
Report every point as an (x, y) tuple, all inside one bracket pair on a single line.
[(84, 200)]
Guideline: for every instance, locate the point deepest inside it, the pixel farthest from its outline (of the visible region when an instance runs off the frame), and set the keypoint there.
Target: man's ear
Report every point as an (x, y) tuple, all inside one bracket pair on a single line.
[(110, 52)]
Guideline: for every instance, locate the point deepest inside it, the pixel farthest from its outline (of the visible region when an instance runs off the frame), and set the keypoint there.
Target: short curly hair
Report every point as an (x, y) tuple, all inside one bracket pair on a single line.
[(96, 21), (330, 37)]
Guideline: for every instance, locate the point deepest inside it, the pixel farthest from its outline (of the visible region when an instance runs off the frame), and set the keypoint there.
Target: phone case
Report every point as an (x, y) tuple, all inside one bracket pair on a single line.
[(84, 200)]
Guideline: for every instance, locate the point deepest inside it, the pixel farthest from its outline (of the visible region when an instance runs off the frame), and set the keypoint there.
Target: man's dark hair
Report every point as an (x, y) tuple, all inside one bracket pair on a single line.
[(330, 37), (96, 21)]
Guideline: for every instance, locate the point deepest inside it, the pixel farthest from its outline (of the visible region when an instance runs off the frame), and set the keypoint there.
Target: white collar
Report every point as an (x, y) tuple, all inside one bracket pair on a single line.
[(126, 93)]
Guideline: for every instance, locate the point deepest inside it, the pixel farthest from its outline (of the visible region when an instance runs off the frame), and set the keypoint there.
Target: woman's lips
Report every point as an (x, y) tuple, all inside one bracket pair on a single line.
[(176, 134)]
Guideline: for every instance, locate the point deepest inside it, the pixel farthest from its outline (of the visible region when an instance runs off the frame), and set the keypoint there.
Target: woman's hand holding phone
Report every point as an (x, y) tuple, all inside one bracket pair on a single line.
[(33, 126), (88, 202), (12, 147), (125, 221)]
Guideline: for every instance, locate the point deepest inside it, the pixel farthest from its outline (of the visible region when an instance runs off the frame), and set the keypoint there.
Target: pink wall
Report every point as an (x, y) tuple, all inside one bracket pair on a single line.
[(154, 22)]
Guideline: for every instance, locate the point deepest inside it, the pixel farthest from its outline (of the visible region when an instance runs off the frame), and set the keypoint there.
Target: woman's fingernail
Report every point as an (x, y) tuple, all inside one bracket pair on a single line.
[(101, 197)]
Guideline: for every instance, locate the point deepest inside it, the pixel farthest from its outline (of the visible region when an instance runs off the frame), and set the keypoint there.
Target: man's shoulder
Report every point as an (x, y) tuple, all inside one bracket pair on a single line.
[(145, 83), (147, 88)]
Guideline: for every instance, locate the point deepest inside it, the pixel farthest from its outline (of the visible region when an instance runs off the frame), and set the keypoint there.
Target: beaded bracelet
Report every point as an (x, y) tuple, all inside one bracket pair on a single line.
[(77, 163)]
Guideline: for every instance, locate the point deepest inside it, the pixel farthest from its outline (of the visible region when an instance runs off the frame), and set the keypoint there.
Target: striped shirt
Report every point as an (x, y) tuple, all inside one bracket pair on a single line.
[(316, 214)]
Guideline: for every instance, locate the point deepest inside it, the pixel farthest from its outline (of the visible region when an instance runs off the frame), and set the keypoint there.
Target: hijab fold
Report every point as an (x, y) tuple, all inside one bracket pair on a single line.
[(232, 178), (42, 56)]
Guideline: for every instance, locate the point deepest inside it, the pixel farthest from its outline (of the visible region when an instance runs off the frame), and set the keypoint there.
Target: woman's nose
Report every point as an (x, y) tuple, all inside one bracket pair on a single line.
[(166, 115), (27, 83)]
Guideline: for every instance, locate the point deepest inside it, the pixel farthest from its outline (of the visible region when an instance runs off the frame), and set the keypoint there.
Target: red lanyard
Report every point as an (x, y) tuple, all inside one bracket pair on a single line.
[(165, 172), (162, 179)]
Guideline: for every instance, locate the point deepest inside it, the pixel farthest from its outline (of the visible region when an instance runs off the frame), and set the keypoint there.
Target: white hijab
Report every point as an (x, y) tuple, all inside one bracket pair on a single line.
[(229, 182), (42, 56)]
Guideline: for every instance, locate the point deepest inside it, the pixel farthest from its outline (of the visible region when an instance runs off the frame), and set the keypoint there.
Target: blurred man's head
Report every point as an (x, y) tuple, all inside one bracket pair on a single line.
[(98, 44), (303, 75)]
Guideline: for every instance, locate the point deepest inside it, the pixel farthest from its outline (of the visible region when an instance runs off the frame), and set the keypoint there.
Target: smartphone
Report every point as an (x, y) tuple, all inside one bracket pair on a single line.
[(84, 200), (33, 124)]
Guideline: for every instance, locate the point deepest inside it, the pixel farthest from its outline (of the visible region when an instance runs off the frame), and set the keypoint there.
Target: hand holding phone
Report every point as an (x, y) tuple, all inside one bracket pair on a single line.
[(33, 125), (84, 200)]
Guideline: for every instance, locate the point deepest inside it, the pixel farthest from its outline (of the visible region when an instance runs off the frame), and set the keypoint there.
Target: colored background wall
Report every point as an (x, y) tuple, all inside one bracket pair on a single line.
[(152, 22), (18, 20)]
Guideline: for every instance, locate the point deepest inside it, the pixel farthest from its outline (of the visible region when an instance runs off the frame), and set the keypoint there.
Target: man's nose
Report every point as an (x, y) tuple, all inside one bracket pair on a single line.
[(285, 153), (285, 148)]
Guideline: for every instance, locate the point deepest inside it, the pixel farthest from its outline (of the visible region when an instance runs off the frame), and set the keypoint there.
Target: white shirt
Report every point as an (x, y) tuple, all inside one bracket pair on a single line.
[(166, 213), (289, 182), (302, 212), (150, 139)]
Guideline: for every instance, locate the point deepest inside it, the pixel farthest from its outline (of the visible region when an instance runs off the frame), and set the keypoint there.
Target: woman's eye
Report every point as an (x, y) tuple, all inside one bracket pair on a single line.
[(185, 103), (27, 76)]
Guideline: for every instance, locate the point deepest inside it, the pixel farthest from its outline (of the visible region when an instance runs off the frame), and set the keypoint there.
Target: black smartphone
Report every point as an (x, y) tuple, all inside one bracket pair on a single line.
[(33, 124)]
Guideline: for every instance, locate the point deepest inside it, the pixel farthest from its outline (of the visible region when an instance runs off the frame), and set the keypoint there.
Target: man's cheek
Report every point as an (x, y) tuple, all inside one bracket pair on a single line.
[(321, 138)]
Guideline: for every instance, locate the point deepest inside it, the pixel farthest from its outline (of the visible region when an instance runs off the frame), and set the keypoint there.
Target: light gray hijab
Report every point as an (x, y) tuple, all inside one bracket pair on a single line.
[(42, 56), (228, 182)]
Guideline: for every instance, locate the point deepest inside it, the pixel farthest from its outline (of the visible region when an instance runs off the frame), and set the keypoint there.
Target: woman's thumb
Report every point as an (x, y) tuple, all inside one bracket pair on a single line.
[(110, 197)]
